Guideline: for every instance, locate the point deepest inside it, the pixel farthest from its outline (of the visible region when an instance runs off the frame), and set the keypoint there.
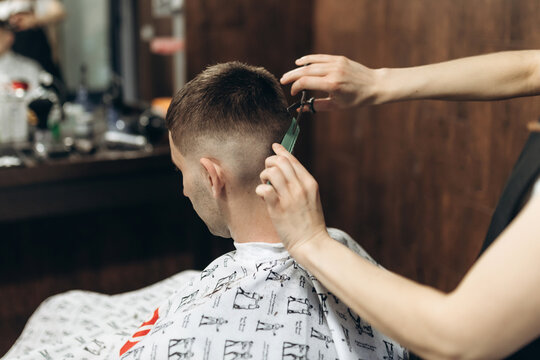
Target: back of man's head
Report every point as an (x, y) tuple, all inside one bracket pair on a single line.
[(230, 111)]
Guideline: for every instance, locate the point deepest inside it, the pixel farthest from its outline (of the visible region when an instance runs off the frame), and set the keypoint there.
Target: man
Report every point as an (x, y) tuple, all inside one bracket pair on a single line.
[(35, 35), (12, 66), (255, 302)]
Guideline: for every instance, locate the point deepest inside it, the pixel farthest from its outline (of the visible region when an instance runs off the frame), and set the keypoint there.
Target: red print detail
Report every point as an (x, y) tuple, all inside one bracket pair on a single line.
[(140, 333)]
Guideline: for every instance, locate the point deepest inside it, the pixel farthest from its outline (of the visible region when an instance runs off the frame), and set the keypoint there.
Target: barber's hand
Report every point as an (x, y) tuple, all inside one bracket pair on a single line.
[(347, 83), (24, 21), (292, 200)]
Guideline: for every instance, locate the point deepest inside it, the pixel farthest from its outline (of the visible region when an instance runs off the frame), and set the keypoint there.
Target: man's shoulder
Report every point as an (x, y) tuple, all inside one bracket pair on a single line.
[(19, 67), (26, 62), (345, 239)]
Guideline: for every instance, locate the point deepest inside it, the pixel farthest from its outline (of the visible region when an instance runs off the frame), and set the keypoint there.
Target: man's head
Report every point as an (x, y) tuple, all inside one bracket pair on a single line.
[(221, 126)]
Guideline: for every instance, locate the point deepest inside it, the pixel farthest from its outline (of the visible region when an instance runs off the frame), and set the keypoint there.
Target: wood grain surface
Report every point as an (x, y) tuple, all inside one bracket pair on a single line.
[(416, 183)]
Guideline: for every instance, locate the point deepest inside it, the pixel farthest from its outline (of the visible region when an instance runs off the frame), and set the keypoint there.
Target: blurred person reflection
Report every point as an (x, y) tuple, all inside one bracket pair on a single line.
[(15, 67), (31, 20)]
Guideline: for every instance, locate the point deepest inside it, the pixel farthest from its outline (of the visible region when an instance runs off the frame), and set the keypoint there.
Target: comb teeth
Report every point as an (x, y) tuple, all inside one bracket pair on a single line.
[(289, 140)]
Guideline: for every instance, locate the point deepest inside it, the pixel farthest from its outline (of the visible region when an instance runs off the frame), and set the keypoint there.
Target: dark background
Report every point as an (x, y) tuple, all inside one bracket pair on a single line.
[(414, 183)]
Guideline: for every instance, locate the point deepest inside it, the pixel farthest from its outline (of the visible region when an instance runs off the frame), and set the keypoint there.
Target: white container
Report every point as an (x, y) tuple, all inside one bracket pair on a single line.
[(79, 122), (13, 118)]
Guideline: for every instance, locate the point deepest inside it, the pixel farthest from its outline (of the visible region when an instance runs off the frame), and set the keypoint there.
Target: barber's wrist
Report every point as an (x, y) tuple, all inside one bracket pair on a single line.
[(310, 252), (39, 22), (382, 88)]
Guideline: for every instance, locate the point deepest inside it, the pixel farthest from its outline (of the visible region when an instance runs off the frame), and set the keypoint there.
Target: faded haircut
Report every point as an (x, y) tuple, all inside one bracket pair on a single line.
[(229, 102)]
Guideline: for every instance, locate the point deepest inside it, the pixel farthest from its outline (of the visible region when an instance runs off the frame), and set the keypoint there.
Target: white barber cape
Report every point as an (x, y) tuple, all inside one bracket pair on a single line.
[(258, 303), (17, 67), (85, 325)]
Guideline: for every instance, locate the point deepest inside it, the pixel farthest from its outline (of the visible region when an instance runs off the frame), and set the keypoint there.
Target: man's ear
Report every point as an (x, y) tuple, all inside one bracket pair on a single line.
[(215, 175)]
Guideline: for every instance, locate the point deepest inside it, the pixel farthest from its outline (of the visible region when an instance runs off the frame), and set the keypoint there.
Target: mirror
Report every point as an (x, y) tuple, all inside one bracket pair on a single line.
[(84, 38)]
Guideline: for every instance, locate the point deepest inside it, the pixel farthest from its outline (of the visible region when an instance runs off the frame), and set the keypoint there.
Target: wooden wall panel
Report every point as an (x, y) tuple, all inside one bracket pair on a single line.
[(269, 33), (416, 183), (155, 72)]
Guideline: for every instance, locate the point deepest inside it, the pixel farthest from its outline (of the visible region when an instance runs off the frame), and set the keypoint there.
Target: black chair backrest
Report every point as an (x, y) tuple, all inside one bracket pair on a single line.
[(518, 186)]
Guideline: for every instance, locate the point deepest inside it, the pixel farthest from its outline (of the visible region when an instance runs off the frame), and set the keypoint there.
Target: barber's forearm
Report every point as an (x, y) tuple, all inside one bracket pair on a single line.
[(484, 77), (408, 312), (55, 13)]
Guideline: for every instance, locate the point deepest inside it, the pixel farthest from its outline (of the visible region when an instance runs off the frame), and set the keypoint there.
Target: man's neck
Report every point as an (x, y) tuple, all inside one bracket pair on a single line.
[(249, 222)]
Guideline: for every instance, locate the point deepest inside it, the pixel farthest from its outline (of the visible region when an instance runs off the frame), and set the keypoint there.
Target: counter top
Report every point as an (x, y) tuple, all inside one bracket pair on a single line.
[(76, 166), (79, 183)]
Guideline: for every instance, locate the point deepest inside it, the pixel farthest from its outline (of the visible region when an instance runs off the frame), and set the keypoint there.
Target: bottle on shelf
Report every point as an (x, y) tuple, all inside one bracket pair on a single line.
[(45, 104), (82, 97)]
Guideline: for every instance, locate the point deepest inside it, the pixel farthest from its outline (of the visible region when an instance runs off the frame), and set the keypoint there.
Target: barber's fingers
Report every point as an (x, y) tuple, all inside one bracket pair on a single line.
[(274, 175), (268, 194), (309, 70), (316, 83), (316, 58), (326, 104), (288, 177), (284, 165), (302, 174)]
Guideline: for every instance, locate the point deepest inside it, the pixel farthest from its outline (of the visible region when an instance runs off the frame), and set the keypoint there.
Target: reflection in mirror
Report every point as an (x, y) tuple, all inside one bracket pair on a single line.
[(84, 40), (110, 77)]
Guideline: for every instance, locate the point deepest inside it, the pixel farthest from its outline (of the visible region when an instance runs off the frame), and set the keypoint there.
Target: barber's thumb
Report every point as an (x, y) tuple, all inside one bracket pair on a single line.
[(279, 149), (259, 190), (267, 193), (326, 104)]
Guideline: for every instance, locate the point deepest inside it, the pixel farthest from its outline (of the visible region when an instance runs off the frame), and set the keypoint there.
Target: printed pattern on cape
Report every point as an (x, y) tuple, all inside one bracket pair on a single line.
[(258, 303), (87, 325)]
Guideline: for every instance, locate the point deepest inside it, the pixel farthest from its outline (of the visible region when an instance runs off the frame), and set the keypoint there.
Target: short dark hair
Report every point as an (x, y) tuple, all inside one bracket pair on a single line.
[(225, 100)]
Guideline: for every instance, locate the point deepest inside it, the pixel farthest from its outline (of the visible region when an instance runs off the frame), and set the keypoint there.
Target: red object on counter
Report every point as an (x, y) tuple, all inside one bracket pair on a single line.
[(166, 45), (19, 84)]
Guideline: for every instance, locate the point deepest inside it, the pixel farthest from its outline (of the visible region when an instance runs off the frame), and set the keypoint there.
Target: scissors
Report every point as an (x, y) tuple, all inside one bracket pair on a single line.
[(289, 140)]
